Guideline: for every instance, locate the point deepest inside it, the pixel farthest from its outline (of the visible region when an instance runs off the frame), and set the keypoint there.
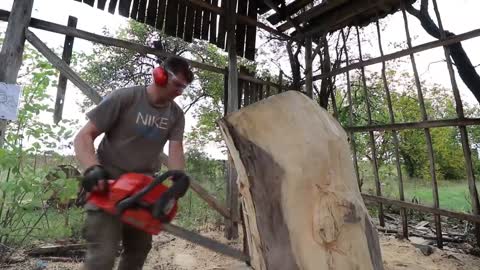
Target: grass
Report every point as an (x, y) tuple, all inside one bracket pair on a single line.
[(453, 195)]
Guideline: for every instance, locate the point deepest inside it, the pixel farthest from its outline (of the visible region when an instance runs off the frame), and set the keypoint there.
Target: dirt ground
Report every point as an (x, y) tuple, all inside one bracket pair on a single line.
[(172, 253)]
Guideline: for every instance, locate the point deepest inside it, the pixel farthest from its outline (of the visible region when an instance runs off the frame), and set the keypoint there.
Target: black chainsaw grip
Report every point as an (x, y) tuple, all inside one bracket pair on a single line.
[(181, 183), (92, 175)]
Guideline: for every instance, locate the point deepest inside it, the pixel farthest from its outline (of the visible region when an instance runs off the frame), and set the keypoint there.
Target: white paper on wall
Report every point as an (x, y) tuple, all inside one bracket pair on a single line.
[(9, 99)]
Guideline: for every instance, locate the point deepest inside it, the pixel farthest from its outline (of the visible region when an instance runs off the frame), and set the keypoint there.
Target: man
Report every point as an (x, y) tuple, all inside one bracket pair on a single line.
[(136, 122)]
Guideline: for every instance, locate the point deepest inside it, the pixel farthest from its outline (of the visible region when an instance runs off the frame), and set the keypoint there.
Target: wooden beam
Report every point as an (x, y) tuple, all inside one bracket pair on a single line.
[(239, 18), (62, 80), (314, 12), (308, 67), (205, 242), (57, 28), (416, 125), (231, 230), (12, 48), (333, 20), (402, 53), (423, 208), (289, 10), (291, 21), (62, 66)]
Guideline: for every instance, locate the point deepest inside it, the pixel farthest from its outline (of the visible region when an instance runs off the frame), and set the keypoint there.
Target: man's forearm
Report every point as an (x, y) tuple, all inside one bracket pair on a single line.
[(85, 151), (176, 157)]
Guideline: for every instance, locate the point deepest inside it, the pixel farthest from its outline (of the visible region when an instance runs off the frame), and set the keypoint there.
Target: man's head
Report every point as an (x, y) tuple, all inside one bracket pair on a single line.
[(179, 76)]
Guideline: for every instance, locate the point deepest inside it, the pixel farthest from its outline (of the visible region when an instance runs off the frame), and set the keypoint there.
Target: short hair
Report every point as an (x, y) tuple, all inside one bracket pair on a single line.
[(178, 65)]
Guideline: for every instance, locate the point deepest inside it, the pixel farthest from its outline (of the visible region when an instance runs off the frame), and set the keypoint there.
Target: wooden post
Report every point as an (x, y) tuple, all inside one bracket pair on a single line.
[(350, 114), (308, 67), (428, 136), (280, 78), (403, 211), (12, 49), (62, 80), (231, 230), (371, 135), (463, 130)]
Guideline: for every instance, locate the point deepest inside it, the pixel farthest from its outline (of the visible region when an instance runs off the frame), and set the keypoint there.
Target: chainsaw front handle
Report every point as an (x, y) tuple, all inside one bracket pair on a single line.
[(181, 182)]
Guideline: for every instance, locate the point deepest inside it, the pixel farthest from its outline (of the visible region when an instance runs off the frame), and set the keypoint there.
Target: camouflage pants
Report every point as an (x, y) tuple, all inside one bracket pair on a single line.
[(104, 233)]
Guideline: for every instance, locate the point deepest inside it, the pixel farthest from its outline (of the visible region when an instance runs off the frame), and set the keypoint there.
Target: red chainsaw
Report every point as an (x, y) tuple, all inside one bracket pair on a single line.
[(143, 201), (148, 204)]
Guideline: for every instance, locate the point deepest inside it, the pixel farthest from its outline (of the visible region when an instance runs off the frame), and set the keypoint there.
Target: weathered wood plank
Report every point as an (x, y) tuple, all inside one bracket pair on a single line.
[(197, 29), (152, 12), (206, 21), (101, 4), (12, 48), (312, 13), (62, 66), (232, 105), (171, 17), (182, 10), (189, 24), (241, 29), (161, 14), (142, 10), (221, 27), (213, 24), (112, 6), (134, 12), (124, 7), (289, 10), (89, 2), (250, 43), (62, 80)]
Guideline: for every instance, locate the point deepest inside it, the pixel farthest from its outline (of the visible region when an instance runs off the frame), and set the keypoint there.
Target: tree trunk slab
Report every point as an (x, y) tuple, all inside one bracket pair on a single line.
[(301, 202)]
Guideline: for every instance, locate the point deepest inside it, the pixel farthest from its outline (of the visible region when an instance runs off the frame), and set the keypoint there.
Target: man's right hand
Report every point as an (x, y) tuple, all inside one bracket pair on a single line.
[(95, 179)]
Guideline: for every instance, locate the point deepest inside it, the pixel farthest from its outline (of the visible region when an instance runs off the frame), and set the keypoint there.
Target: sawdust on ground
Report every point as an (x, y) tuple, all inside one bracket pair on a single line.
[(171, 253)]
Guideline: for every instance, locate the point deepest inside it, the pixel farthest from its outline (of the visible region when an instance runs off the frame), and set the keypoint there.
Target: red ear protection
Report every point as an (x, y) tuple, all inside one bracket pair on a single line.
[(160, 76)]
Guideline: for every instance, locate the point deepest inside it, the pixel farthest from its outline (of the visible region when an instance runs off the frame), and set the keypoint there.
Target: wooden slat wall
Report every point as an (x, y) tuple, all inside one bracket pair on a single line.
[(101, 4), (123, 9), (89, 2), (171, 18), (197, 29), (187, 21), (241, 28), (251, 31), (182, 10), (161, 14), (213, 25), (189, 24), (221, 29), (111, 6), (152, 12), (142, 9), (206, 22), (134, 13)]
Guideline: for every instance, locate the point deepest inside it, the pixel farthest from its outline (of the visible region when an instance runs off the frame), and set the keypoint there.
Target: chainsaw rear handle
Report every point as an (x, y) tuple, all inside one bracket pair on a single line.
[(181, 182), (93, 175)]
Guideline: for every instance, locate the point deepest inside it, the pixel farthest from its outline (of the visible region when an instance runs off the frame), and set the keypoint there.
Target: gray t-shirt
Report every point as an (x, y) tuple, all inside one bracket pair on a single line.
[(135, 131)]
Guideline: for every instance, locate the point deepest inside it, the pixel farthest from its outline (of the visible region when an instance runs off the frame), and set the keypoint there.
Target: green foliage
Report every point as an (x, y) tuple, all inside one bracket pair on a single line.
[(439, 104), (24, 191)]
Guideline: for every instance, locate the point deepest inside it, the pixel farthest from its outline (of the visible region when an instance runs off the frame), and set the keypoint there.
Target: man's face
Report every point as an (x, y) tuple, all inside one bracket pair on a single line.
[(176, 84)]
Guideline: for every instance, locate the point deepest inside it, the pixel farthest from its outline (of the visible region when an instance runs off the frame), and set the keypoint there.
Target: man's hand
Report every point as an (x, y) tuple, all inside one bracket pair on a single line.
[(95, 179)]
